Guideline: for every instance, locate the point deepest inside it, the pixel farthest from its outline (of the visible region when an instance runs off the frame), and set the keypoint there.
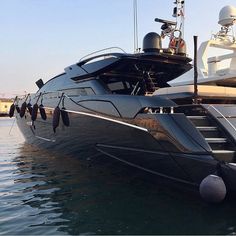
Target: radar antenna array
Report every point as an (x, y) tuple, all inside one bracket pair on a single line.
[(227, 18), (170, 27)]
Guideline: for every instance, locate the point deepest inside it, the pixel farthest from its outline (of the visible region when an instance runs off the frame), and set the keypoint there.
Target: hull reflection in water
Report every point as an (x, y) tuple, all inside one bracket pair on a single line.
[(43, 193)]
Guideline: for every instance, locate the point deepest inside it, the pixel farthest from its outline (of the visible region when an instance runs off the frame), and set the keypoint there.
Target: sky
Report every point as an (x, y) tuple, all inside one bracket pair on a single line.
[(39, 38)]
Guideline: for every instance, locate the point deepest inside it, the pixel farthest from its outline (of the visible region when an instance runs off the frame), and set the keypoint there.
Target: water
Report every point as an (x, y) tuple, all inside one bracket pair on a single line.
[(44, 193)]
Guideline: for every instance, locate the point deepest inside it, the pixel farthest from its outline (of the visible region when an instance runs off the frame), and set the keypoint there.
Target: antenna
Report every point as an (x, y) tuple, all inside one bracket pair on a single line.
[(179, 14), (227, 16), (135, 9), (227, 19), (170, 27)]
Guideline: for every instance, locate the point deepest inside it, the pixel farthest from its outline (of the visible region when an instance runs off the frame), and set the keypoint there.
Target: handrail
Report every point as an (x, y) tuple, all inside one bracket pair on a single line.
[(102, 50), (224, 117), (116, 55)]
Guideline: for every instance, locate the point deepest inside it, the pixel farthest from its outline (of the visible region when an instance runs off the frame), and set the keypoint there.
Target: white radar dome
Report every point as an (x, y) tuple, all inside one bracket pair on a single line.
[(227, 16)]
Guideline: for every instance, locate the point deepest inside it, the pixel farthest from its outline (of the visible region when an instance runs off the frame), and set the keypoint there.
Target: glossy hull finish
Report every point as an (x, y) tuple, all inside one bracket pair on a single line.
[(91, 134)]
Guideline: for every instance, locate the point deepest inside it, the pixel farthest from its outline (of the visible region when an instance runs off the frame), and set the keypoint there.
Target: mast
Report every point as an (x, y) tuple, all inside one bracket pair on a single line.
[(135, 12), (179, 14)]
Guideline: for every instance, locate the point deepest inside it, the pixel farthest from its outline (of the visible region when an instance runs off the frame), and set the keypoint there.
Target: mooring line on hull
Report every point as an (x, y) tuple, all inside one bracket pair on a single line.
[(147, 151), (14, 120), (177, 163), (45, 139), (147, 170), (131, 149), (190, 156)]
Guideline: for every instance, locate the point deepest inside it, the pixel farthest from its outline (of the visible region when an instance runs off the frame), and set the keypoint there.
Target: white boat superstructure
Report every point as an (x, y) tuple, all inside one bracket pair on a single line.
[(217, 56)]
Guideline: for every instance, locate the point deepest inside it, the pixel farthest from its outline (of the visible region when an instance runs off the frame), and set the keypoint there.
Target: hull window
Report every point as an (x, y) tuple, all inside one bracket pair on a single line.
[(79, 92)]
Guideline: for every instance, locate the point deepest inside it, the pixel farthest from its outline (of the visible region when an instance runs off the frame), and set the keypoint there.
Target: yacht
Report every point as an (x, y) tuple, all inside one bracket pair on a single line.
[(121, 105)]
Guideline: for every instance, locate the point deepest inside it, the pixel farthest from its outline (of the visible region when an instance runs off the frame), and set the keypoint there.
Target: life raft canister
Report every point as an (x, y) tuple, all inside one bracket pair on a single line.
[(178, 44)]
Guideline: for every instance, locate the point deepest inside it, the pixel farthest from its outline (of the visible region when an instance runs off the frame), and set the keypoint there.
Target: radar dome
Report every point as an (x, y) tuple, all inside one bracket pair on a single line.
[(152, 42), (227, 16)]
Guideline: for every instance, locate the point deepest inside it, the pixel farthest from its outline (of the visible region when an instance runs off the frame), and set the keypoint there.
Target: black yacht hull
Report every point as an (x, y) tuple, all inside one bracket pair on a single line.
[(91, 134)]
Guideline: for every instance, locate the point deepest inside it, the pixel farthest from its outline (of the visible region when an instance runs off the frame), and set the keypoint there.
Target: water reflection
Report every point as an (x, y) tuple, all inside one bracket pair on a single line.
[(45, 193)]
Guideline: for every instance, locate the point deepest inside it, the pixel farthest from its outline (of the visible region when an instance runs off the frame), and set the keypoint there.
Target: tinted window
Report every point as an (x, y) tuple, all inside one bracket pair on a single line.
[(119, 85)]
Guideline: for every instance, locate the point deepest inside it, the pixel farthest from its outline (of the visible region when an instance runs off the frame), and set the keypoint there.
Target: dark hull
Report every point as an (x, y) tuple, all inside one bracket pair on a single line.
[(89, 135)]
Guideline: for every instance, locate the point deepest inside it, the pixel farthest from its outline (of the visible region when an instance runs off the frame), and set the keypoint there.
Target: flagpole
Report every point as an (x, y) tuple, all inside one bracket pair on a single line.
[(195, 70)]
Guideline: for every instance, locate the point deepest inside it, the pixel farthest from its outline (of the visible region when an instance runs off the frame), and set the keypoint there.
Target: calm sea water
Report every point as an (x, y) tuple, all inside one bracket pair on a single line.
[(43, 193)]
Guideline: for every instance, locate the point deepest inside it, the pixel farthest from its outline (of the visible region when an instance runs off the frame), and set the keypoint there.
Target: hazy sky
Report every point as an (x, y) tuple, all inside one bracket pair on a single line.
[(39, 38)]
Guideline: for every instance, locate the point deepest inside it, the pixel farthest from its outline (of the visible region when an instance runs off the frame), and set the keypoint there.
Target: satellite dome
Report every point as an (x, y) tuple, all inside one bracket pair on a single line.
[(152, 42), (227, 16)]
